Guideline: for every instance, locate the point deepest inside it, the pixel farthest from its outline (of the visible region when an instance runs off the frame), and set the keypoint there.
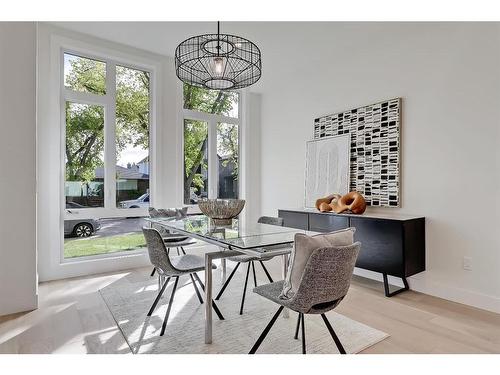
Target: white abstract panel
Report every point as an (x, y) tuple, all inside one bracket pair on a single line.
[(327, 168)]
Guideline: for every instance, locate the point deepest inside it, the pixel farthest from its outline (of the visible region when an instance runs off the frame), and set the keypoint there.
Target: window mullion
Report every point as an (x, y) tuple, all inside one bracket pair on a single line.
[(203, 116), (84, 97), (110, 138), (213, 164)]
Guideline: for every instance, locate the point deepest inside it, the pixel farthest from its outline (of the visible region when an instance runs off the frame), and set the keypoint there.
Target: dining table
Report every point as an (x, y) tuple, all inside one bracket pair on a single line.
[(254, 239)]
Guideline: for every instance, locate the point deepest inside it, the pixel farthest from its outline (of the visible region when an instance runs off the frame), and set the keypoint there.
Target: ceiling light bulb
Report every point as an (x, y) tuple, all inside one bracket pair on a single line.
[(218, 65)]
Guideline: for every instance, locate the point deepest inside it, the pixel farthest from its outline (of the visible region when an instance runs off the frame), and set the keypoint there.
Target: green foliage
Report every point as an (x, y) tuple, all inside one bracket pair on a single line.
[(84, 141), (209, 101), (86, 75), (132, 108), (227, 145), (195, 146)]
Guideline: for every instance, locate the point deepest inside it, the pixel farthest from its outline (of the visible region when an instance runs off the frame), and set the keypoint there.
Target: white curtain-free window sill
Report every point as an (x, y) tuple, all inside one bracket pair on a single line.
[(110, 256)]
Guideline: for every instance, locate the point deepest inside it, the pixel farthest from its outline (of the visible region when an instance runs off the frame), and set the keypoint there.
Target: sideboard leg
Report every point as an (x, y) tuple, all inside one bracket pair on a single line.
[(386, 286)]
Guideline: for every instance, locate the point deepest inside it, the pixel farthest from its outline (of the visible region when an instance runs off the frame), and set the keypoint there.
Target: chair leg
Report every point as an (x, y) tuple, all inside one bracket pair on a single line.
[(183, 252), (266, 271), (227, 282), (266, 331), (196, 288), (178, 253), (158, 297), (170, 302), (334, 336), (297, 327), (245, 289), (214, 306), (153, 272), (303, 334), (254, 276)]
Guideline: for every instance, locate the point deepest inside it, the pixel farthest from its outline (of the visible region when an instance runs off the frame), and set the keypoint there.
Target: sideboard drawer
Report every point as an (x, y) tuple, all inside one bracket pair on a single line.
[(327, 223), (291, 219), (381, 245)]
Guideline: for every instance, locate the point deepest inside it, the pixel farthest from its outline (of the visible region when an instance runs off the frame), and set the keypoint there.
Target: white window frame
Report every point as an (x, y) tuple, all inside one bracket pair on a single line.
[(108, 101), (212, 120)]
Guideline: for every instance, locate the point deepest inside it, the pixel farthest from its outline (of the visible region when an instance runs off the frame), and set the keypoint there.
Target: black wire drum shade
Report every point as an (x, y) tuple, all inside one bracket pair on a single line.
[(218, 62)]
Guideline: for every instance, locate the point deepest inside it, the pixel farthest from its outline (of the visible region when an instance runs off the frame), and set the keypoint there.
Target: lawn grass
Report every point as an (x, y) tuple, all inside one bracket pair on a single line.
[(79, 247)]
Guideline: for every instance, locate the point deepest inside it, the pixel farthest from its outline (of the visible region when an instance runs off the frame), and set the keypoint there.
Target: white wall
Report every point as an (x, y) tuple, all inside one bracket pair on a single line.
[(449, 78), (18, 280), (250, 189)]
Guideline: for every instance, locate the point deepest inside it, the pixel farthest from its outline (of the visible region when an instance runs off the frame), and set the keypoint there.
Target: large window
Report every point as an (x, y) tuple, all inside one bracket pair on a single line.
[(211, 144), (107, 161)]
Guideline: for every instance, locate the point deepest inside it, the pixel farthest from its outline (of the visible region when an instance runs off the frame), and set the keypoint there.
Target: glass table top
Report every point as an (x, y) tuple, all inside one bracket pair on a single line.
[(236, 235)]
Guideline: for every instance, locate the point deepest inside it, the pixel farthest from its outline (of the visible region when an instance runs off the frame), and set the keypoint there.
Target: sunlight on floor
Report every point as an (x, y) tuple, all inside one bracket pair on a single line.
[(183, 295)]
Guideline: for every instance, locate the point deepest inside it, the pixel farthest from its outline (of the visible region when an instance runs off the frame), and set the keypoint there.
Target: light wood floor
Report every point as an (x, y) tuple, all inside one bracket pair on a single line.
[(72, 318)]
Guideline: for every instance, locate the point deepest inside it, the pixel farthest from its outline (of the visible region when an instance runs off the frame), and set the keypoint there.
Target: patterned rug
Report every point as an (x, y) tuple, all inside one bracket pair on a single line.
[(130, 298)]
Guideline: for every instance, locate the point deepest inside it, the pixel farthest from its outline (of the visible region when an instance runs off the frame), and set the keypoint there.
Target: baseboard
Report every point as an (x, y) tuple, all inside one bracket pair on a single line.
[(86, 267), (451, 293), (23, 306), (421, 283), (396, 281)]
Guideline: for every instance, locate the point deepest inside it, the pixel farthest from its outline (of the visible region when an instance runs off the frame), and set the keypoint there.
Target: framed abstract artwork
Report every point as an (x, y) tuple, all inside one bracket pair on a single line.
[(327, 167), (375, 148)]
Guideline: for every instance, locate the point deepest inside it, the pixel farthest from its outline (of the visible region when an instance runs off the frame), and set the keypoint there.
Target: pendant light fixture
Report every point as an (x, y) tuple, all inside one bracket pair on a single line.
[(218, 61)]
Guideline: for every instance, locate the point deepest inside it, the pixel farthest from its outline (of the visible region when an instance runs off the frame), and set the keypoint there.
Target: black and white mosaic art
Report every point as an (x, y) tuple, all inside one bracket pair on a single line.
[(375, 148)]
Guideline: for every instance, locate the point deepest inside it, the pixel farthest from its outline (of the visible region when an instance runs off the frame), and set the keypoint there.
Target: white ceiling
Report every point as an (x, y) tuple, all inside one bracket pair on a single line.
[(288, 48), (157, 37)]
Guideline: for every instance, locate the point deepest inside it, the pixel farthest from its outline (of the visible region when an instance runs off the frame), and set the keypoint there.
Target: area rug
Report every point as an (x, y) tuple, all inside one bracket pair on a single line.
[(130, 298)]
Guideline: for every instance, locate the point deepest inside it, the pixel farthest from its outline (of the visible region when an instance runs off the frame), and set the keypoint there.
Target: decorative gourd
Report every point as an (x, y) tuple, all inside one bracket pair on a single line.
[(352, 201), (324, 207), (326, 200)]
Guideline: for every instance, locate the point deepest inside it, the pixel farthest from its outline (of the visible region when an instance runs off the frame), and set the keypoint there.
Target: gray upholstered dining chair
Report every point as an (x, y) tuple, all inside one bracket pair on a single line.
[(172, 267), (172, 240), (324, 283), (251, 263)]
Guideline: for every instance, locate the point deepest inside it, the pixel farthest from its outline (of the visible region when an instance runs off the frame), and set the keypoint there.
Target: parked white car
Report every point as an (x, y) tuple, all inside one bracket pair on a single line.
[(80, 226), (141, 202)]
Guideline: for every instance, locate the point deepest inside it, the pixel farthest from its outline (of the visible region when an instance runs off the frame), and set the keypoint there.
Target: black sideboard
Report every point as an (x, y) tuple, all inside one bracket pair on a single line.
[(391, 245)]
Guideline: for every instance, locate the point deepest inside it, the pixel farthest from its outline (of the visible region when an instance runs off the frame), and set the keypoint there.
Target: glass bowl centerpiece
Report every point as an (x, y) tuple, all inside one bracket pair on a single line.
[(221, 211)]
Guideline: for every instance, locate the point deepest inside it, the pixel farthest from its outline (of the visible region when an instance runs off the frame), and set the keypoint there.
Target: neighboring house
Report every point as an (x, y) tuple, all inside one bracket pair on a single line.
[(131, 184), (228, 182), (144, 165)]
